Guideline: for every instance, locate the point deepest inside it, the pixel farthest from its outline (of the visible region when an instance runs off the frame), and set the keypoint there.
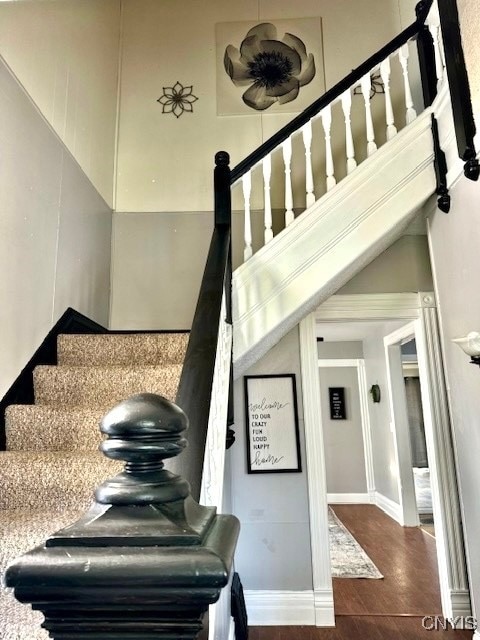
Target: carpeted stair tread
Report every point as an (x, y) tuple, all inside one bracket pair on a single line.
[(122, 349), (31, 427), (20, 531), (102, 386), (52, 480)]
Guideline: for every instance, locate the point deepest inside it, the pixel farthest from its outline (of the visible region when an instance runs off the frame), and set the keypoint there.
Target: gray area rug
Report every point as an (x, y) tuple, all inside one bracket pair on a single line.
[(348, 559)]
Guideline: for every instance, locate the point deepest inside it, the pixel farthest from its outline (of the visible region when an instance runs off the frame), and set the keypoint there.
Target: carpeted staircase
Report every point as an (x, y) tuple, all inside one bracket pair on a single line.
[(52, 463)]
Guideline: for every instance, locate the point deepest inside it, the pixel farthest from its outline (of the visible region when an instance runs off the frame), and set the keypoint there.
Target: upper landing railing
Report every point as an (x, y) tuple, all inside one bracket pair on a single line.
[(334, 137)]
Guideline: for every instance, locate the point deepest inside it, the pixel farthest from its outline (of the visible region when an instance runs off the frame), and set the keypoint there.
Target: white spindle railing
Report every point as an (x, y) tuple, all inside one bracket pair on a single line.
[(309, 185), (403, 56), (247, 190), (287, 159), (390, 118), (433, 23), (326, 116), (366, 87), (324, 141), (267, 174), (347, 114)]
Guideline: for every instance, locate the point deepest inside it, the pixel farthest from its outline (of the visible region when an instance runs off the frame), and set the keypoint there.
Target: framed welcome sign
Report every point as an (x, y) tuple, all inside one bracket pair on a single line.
[(271, 416)]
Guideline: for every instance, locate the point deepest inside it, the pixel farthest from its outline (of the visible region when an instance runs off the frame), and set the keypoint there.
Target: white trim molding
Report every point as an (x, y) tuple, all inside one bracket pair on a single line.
[(391, 508), (316, 475), (280, 608), (350, 498), (446, 507)]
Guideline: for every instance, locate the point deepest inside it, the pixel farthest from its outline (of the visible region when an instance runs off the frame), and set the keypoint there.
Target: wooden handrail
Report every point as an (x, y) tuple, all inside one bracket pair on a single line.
[(332, 94), (195, 387)]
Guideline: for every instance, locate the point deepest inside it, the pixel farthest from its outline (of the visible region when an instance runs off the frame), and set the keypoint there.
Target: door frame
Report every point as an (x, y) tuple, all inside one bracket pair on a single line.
[(420, 307)]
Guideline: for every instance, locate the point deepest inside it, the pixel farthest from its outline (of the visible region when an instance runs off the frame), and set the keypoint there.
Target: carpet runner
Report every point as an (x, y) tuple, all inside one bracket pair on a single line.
[(52, 464), (348, 559)]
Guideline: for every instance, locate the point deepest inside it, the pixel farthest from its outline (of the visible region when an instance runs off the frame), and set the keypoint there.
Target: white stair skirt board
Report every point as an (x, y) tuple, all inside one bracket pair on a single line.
[(391, 508), (231, 630), (331, 241), (349, 498), (280, 608)]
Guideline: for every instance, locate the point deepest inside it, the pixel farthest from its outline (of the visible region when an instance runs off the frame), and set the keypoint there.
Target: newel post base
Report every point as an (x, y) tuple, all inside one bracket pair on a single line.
[(146, 560)]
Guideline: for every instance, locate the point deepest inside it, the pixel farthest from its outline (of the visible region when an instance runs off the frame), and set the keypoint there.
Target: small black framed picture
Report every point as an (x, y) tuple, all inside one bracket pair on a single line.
[(338, 410)]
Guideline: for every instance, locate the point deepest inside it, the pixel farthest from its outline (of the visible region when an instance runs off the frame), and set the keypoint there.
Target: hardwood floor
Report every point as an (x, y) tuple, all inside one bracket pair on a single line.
[(389, 609)]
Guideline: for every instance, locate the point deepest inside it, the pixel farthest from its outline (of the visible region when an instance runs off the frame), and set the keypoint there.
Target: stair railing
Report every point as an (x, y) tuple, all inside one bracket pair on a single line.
[(299, 187), (203, 391)]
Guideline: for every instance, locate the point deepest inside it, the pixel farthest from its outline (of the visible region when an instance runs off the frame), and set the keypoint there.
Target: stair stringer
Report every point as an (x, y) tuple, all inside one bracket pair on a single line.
[(331, 241)]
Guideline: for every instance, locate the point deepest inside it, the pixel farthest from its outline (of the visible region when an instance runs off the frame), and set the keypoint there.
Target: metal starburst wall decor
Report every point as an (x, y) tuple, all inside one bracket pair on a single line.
[(177, 99)]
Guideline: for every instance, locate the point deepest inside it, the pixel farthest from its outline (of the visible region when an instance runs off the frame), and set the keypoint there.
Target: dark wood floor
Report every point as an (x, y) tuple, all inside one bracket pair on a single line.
[(387, 609)]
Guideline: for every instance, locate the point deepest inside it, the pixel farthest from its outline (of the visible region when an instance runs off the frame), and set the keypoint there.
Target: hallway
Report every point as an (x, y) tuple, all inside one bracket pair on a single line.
[(392, 608)]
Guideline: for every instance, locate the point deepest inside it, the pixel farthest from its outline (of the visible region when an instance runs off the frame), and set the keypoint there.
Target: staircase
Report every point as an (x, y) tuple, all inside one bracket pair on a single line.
[(52, 464)]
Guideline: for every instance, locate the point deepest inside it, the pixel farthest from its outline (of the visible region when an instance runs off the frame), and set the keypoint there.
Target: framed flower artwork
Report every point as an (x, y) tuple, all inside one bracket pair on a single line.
[(270, 66)]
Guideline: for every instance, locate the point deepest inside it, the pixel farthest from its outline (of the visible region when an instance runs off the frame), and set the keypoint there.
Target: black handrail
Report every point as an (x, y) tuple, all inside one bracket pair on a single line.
[(195, 387), (336, 91)]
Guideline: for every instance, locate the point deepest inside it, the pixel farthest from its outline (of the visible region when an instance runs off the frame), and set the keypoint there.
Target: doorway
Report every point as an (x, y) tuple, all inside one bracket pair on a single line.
[(395, 310)]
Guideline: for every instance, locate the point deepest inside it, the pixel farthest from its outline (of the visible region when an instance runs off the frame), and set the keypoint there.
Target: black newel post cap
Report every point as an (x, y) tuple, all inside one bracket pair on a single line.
[(146, 560)]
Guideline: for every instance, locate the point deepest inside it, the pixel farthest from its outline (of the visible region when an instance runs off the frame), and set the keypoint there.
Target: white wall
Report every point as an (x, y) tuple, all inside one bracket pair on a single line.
[(55, 233), (470, 30), (65, 53), (164, 163), (272, 507), (455, 242)]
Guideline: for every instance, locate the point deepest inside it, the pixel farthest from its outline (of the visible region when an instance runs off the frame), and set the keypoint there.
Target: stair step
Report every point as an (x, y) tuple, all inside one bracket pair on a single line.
[(48, 428), (102, 386), (122, 349), (52, 480), (21, 531)]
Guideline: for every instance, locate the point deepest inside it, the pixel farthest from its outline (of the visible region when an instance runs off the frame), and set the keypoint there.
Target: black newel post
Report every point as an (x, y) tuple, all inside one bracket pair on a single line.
[(146, 560)]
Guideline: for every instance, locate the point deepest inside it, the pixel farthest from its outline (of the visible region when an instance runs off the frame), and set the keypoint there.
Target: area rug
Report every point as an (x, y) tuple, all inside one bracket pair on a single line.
[(348, 559)]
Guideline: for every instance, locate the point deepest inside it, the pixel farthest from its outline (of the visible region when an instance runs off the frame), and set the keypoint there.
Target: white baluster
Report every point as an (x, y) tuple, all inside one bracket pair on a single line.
[(385, 74), (350, 149), (326, 115), (247, 190), (403, 54), (267, 172), (307, 141), (287, 159), (433, 22), (366, 85)]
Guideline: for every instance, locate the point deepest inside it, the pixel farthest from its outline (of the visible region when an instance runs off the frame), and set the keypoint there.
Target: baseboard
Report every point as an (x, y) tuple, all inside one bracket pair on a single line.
[(390, 507), (324, 608), (348, 498), (461, 605), (279, 608)]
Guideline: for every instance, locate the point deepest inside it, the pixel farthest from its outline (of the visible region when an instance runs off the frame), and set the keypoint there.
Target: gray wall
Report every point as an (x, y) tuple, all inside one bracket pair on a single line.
[(455, 244), (272, 507), (343, 439), (341, 349), (55, 233), (405, 266), (151, 251), (384, 461)]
